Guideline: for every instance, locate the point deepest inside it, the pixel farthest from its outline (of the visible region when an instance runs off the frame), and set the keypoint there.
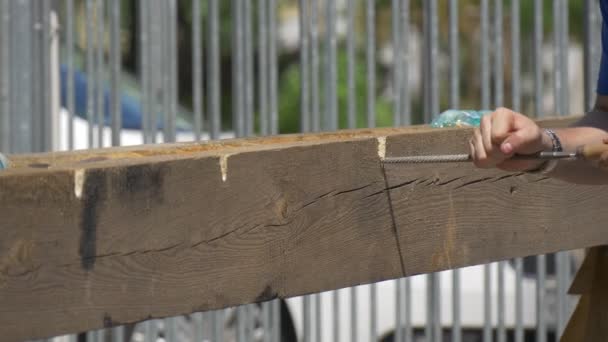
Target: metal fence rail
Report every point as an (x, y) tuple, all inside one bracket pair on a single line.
[(65, 84)]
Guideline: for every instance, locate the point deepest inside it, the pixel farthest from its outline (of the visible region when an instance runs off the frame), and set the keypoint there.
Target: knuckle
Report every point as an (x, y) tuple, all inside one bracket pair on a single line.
[(502, 111)]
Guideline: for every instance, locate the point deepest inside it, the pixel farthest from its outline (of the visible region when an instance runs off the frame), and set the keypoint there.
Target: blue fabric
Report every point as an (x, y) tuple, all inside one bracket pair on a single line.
[(602, 81)]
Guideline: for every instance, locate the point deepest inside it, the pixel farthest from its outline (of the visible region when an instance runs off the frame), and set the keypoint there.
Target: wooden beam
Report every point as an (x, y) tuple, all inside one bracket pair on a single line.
[(100, 238)]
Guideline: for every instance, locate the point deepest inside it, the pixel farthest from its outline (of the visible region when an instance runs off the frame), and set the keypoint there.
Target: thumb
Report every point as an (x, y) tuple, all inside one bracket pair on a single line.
[(521, 141)]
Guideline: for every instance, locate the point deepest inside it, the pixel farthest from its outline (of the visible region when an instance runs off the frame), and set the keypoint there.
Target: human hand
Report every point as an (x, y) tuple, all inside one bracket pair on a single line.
[(504, 133)]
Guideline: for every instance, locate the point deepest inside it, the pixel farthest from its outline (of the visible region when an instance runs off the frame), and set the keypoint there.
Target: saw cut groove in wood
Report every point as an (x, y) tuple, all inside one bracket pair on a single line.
[(108, 237)]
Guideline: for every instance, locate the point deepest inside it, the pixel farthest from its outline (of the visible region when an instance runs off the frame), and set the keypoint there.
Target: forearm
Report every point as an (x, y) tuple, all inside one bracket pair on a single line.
[(591, 129)]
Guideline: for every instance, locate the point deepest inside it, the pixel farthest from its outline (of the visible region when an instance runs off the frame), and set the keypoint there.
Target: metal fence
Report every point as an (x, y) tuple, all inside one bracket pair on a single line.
[(68, 81)]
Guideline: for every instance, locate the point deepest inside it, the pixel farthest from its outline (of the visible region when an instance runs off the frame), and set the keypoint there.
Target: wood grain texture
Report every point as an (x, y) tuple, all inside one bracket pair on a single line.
[(99, 241)]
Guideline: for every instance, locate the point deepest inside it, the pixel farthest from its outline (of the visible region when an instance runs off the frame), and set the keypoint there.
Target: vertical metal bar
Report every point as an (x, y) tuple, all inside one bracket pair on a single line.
[(100, 71), (399, 306), (241, 323), (541, 328), (564, 45), (170, 329), (304, 68), (485, 55), (217, 321), (541, 332), (69, 23), (47, 110), (502, 333), (238, 123), (588, 35), (115, 64), (250, 328), (516, 92), (560, 27), (101, 336), (538, 61), (150, 331), (456, 307), (454, 56), (371, 63), (433, 324), (37, 81), (485, 103), (350, 47), (148, 73), (156, 70), (431, 18), (498, 102), (273, 72), (5, 104), (248, 65), (314, 56), (306, 319), (434, 305), (144, 52), (266, 321), (487, 307), (213, 71), (197, 67), (516, 55), (406, 116), (561, 260), (166, 68), (276, 320), (198, 318), (557, 58), (21, 77), (336, 315), (498, 56), (353, 314), (373, 313), (455, 103), (331, 83), (173, 84), (519, 299), (318, 317), (407, 324), (90, 15), (263, 65), (397, 65), (118, 334)]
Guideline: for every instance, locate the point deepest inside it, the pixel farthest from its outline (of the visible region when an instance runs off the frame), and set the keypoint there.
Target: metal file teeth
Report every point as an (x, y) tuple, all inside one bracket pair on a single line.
[(459, 158), (453, 158)]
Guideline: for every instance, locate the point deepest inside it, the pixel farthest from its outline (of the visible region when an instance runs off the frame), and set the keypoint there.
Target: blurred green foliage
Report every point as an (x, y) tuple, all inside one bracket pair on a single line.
[(289, 71)]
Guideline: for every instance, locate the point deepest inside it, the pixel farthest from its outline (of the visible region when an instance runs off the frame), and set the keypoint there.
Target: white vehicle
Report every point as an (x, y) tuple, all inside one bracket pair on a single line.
[(471, 310)]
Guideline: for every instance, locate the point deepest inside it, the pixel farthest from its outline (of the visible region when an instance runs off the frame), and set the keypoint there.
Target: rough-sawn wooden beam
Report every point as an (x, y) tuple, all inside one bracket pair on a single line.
[(98, 238)]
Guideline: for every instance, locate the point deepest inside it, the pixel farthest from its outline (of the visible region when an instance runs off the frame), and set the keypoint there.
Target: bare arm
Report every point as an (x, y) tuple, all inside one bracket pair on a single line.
[(591, 129)]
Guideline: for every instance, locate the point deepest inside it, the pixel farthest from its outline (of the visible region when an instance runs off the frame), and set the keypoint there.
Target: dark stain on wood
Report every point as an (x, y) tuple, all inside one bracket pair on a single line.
[(39, 165), (94, 189), (107, 321), (93, 159), (146, 180), (266, 295)]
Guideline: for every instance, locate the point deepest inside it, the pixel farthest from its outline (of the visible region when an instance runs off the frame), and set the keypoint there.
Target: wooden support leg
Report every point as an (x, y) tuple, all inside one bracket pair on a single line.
[(589, 322)]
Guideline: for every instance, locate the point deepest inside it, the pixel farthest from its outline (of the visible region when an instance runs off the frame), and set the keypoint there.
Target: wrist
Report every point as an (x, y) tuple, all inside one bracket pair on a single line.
[(550, 142)]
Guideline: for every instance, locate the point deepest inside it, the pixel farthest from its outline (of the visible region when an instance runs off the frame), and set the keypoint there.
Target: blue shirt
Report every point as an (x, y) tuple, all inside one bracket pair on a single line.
[(602, 81)]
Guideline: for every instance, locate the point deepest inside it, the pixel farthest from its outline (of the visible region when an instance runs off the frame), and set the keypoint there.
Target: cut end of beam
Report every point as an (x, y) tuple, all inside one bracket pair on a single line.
[(381, 147), (78, 182), (224, 166)]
